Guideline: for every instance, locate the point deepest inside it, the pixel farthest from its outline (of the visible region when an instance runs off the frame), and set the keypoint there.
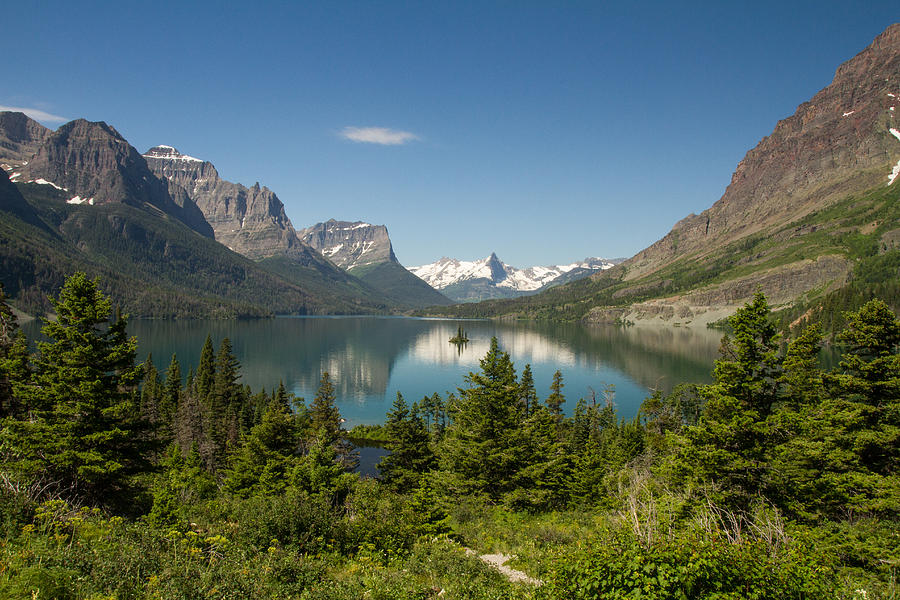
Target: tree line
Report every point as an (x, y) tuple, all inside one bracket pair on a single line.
[(84, 424)]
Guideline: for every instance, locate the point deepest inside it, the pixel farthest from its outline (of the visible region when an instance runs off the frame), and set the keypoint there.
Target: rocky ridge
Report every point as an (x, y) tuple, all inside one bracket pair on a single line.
[(93, 164), (350, 245), (250, 221), (840, 141), (20, 138)]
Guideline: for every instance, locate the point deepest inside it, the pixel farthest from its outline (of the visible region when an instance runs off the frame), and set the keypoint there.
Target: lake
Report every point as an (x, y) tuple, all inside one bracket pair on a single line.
[(370, 359)]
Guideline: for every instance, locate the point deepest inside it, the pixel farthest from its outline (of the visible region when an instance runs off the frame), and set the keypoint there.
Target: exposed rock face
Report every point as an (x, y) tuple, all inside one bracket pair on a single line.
[(350, 245), (841, 141), (250, 221), (20, 138), (95, 165)]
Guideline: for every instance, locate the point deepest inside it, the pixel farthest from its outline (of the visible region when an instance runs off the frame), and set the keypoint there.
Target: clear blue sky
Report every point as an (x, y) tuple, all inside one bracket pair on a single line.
[(543, 131)]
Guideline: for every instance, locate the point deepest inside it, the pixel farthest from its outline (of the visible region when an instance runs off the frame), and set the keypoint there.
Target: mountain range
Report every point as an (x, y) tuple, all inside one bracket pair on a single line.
[(165, 233), (811, 217), (473, 281)]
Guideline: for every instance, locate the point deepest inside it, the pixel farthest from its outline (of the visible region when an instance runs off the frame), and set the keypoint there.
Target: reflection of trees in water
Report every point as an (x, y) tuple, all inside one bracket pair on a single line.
[(653, 357), (360, 353), (357, 353)]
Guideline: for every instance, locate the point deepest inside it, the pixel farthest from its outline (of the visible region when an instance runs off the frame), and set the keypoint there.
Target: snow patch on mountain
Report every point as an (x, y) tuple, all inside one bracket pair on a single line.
[(448, 271), (350, 245), (169, 153)]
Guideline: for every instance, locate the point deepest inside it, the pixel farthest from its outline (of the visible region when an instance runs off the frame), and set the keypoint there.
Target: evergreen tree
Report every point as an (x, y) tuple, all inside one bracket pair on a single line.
[(527, 393), (14, 364), (481, 446), (411, 455), (151, 392), (750, 366), (846, 448), (325, 418), (727, 448), (265, 459), (171, 392), (82, 414), (226, 399), (556, 399), (205, 375)]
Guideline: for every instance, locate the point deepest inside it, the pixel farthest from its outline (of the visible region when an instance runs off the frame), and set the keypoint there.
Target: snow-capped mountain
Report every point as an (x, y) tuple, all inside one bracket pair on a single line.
[(492, 278), (350, 244)]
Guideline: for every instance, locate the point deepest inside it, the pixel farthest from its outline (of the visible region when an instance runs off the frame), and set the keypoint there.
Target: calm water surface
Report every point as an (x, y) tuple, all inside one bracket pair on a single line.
[(370, 359)]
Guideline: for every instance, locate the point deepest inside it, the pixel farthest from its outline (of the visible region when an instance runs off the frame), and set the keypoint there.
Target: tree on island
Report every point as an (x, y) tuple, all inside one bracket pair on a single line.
[(460, 337)]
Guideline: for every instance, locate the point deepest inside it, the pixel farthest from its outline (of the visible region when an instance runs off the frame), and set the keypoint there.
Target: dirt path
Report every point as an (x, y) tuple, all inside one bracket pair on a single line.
[(498, 561)]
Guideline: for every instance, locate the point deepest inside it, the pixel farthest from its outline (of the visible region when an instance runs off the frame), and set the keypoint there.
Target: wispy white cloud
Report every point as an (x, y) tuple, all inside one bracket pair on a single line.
[(378, 135), (35, 113)]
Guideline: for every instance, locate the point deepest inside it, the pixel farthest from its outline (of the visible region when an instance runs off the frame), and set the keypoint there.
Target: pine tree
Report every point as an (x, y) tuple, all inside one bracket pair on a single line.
[(205, 375), (481, 446), (226, 398), (410, 456), (556, 399), (171, 393), (150, 393), (527, 393), (750, 367), (79, 433), (324, 415), (14, 365)]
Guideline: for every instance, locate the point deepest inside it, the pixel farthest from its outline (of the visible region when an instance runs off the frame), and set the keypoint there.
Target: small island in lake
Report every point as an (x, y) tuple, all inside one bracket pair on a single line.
[(460, 337)]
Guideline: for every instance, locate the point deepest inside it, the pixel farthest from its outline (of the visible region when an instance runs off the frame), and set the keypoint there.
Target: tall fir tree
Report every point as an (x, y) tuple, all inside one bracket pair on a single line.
[(82, 415), (325, 418), (556, 399), (411, 455), (481, 447)]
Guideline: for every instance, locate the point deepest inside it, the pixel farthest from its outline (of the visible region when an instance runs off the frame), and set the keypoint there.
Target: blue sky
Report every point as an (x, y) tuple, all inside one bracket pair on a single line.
[(542, 131)]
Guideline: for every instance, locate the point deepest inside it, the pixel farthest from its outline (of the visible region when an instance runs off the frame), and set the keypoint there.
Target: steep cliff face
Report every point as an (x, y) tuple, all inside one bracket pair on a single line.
[(839, 142), (350, 245), (93, 164), (365, 251), (250, 221), (20, 138)]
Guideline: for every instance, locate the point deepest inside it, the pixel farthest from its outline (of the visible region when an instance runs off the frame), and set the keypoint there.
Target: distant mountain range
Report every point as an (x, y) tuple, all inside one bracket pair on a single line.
[(811, 217), (473, 281)]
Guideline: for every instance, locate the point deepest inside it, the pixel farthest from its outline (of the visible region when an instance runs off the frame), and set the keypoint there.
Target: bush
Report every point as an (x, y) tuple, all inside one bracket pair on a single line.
[(690, 566)]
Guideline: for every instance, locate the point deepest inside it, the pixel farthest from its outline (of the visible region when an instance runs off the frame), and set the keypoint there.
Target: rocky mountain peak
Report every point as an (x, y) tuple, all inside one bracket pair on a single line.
[(93, 164), (839, 141), (169, 153), (350, 244), (20, 137), (251, 221)]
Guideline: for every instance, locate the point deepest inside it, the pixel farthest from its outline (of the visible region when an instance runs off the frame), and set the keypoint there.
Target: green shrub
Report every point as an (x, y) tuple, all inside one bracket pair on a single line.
[(690, 567)]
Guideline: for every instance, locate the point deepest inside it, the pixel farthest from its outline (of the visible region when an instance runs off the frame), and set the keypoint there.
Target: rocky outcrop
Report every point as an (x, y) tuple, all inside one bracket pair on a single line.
[(250, 221), (781, 285), (350, 245), (365, 251), (839, 142), (20, 138), (93, 164)]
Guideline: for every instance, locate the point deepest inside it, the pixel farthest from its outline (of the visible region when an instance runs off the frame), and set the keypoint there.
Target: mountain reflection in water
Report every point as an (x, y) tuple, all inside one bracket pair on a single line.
[(370, 359)]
